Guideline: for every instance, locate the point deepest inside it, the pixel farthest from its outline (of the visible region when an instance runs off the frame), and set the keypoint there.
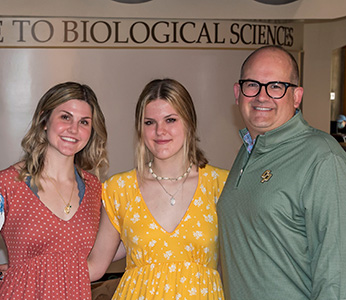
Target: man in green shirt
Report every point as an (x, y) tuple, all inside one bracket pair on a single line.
[(282, 212)]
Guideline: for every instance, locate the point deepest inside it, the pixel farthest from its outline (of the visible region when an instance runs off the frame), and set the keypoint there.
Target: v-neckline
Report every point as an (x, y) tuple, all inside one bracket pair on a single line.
[(46, 207), (185, 214)]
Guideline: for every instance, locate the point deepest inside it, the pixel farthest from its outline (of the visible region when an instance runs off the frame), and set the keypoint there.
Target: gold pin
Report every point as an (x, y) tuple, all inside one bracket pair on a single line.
[(266, 176)]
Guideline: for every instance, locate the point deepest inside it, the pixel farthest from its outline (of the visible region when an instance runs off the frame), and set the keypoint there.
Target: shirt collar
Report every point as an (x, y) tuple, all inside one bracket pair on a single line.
[(249, 142)]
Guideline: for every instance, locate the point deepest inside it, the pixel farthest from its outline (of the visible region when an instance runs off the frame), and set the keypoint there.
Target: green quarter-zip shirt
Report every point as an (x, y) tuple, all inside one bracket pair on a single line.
[(282, 217)]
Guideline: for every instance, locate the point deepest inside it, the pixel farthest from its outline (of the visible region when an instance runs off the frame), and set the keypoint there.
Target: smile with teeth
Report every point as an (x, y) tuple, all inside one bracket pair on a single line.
[(262, 108), (68, 139)]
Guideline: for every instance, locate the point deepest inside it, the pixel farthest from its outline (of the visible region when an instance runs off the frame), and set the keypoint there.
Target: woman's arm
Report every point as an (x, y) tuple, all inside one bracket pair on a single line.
[(103, 252), (121, 252)]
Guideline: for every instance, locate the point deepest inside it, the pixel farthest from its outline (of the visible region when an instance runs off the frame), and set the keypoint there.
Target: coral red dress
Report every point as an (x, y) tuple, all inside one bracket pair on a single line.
[(47, 255)]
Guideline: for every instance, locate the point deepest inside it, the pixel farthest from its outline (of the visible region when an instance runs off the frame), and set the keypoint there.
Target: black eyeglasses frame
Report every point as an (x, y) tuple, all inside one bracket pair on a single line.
[(286, 84)]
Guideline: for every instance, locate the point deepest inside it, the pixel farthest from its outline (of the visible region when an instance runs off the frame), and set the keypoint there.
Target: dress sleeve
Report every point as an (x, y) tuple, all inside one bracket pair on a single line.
[(110, 201), (220, 176), (324, 198), (223, 178), (117, 192)]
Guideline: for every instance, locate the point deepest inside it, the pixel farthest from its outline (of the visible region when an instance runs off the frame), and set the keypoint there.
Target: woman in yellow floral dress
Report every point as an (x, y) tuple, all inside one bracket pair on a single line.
[(164, 211)]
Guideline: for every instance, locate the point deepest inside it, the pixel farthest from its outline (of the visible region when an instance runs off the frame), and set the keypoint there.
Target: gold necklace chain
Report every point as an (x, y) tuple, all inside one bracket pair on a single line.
[(68, 205), (172, 199)]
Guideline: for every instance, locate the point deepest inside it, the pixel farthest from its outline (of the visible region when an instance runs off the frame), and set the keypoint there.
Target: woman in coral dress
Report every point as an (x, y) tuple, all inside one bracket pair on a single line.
[(49, 203), (164, 211)]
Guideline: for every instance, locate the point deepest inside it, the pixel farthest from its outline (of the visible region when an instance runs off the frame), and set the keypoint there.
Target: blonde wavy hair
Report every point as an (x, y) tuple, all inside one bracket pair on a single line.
[(93, 157), (179, 98)]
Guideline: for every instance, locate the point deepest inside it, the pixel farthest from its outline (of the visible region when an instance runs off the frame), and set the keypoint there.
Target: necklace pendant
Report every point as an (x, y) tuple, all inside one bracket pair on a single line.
[(67, 209), (172, 201)]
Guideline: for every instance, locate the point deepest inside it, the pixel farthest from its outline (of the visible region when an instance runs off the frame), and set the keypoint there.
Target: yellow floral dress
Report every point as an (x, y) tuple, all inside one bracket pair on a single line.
[(161, 265)]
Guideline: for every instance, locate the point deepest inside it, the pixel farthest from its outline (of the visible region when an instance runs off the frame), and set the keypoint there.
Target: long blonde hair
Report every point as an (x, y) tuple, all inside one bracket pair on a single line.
[(176, 95), (93, 157)]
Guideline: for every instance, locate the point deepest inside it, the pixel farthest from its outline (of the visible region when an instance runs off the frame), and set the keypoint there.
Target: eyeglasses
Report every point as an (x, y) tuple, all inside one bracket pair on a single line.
[(274, 89)]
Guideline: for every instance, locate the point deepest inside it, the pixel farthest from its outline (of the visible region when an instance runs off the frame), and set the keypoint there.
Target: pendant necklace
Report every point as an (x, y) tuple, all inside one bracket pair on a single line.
[(172, 199), (158, 178), (68, 205)]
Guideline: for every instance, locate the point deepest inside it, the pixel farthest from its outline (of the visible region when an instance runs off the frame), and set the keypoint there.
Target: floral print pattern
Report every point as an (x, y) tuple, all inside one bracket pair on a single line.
[(163, 265)]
